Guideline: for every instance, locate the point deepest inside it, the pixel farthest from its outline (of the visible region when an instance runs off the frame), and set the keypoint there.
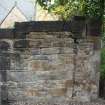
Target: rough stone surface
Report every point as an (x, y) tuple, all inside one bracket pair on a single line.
[(45, 67), (66, 103)]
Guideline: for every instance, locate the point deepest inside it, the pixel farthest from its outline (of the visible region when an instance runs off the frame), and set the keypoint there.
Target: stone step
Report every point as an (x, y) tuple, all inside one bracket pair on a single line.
[(51, 58), (55, 102), (38, 35), (40, 88), (37, 100), (44, 43), (44, 51), (39, 84), (39, 75), (44, 62), (33, 93)]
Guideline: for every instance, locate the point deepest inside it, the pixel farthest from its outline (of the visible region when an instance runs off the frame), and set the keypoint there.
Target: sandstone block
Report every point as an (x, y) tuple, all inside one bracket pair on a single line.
[(58, 92)]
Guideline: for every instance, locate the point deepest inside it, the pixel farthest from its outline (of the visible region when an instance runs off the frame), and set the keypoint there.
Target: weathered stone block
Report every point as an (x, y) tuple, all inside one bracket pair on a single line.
[(35, 65), (21, 44), (48, 51), (58, 92), (47, 68)]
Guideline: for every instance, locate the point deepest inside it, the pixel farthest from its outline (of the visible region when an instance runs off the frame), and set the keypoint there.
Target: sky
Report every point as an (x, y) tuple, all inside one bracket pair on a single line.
[(24, 5)]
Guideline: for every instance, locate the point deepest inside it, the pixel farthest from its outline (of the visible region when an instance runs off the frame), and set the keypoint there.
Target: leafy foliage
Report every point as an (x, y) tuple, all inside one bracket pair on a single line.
[(103, 51), (64, 8), (68, 8), (103, 63), (93, 8)]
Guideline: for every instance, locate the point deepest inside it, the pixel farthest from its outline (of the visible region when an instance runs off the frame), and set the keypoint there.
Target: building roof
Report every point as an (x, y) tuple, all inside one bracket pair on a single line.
[(15, 6)]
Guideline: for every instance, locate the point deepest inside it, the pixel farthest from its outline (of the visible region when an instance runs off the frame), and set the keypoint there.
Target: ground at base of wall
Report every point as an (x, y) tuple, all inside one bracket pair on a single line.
[(95, 102)]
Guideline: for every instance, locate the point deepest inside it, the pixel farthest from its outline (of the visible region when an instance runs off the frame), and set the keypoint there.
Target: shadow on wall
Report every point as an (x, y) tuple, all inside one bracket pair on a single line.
[(4, 66)]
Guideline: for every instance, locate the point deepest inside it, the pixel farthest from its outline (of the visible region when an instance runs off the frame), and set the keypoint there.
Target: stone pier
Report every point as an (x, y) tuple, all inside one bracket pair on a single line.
[(38, 64)]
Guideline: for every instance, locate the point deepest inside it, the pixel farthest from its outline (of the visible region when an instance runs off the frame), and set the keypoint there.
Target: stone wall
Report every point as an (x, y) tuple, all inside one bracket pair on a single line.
[(47, 66)]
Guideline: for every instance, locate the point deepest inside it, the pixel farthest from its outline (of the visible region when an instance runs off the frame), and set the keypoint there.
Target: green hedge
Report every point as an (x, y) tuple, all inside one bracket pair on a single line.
[(103, 63)]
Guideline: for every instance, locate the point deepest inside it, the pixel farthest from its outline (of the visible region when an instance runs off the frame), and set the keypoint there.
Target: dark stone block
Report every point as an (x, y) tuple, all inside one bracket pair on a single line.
[(20, 34), (40, 26), (6, 33), (94, 27), (4, 46), (4, 62), (78, 24), (21, 44)]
